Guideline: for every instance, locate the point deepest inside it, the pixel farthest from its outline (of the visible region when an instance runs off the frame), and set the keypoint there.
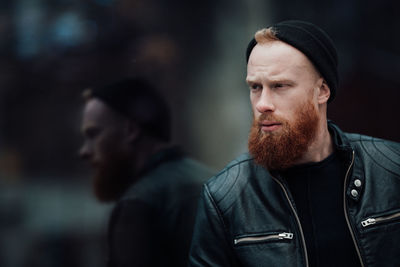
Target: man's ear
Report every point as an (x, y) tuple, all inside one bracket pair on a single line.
[(133, 131), (323, 93)]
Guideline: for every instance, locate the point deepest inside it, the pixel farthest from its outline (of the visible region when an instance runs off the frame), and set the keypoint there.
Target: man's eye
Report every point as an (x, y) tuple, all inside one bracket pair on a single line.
[(280, 85), (255, 87), (92, 133)]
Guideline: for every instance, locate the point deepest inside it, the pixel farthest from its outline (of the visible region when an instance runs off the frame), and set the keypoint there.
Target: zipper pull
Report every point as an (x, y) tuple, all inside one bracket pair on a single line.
[(368, 222), (285, 236)]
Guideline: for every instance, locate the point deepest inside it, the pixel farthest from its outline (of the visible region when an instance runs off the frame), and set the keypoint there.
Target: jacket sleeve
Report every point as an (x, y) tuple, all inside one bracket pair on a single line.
[(210, 246)]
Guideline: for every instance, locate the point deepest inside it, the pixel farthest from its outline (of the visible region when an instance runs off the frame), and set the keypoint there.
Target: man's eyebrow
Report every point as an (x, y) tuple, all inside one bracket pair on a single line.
[(251, 79), (281, 81)]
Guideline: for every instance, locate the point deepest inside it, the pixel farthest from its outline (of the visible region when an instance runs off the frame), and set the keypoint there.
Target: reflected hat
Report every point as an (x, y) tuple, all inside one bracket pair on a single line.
[(138, 99), (311, 41)]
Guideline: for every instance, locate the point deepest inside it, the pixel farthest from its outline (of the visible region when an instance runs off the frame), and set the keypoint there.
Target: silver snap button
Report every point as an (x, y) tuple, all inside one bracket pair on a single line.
[(354, 193), (357, 183)]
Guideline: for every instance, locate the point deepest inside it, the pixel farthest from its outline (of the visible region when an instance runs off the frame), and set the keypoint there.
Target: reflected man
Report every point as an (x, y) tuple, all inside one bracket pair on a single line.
[(126, 126)]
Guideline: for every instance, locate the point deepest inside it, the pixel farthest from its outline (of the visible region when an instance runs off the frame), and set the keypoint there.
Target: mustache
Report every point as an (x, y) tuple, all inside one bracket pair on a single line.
[(268, 117)]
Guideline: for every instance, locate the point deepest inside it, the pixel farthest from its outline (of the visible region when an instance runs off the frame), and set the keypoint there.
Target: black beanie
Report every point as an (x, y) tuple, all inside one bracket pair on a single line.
[(311, 41), (137, 99)]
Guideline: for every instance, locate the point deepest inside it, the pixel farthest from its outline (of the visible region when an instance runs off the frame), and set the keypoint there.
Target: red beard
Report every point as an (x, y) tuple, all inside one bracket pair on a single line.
[(282, 149)]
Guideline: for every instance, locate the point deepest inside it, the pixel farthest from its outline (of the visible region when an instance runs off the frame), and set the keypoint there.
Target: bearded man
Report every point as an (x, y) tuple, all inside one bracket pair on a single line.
[(126, 126), (306, 194)]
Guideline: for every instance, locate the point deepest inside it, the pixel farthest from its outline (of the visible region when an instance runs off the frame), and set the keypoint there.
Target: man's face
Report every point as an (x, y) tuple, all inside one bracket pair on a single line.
[(105, 148), (284, 96)]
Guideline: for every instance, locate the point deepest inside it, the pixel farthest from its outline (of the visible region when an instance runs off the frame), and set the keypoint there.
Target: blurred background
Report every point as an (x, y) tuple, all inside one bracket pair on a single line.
[(50, 50)]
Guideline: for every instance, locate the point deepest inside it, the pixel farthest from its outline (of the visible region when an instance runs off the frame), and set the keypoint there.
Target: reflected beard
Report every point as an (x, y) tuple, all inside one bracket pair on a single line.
[(282, 149), (111, 180)]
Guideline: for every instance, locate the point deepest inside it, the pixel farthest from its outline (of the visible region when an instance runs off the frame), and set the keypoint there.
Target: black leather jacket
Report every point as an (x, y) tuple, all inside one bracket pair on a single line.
[(152, 222), (247, 217)]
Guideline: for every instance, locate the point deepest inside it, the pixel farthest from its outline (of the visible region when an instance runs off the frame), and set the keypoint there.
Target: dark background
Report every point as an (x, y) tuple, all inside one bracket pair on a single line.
[(50, 50)]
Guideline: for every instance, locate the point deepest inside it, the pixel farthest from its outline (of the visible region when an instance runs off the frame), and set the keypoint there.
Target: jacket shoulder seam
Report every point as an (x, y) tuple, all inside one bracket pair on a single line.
[(216, 209), (232, 165), (373, 141), (232, 182)]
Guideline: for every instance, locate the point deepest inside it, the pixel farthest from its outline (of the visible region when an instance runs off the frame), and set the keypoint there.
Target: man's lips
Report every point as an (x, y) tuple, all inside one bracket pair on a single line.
[(268, 126)]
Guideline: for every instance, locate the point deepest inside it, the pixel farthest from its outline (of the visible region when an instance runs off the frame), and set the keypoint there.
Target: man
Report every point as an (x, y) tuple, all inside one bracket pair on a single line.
[(307, 194), (126, 126)]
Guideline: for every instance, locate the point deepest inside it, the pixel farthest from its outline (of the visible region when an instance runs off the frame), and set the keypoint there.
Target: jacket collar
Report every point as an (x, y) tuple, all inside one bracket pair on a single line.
[(164, 155), (339, 138)]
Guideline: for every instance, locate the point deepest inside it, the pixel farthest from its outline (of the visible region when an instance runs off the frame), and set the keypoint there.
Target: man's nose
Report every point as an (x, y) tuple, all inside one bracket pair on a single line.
[(265, 102), (84, 152)]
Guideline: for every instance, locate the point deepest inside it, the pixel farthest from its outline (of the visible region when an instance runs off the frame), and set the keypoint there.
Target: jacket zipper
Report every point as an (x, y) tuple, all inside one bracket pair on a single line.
[(263, 238), (371, 221), (345, 210), (297, 219)]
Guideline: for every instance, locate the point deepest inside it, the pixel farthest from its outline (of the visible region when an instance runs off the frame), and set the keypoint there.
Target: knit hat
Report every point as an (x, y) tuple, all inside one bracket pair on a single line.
[(311, 41), (136, 98)]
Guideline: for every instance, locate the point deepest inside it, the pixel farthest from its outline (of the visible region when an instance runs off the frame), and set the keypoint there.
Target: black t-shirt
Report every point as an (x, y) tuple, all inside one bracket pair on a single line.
[(317, 189)]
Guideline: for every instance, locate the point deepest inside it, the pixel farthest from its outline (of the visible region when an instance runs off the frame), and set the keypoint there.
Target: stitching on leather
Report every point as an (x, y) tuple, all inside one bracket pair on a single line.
[(373, 159)]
